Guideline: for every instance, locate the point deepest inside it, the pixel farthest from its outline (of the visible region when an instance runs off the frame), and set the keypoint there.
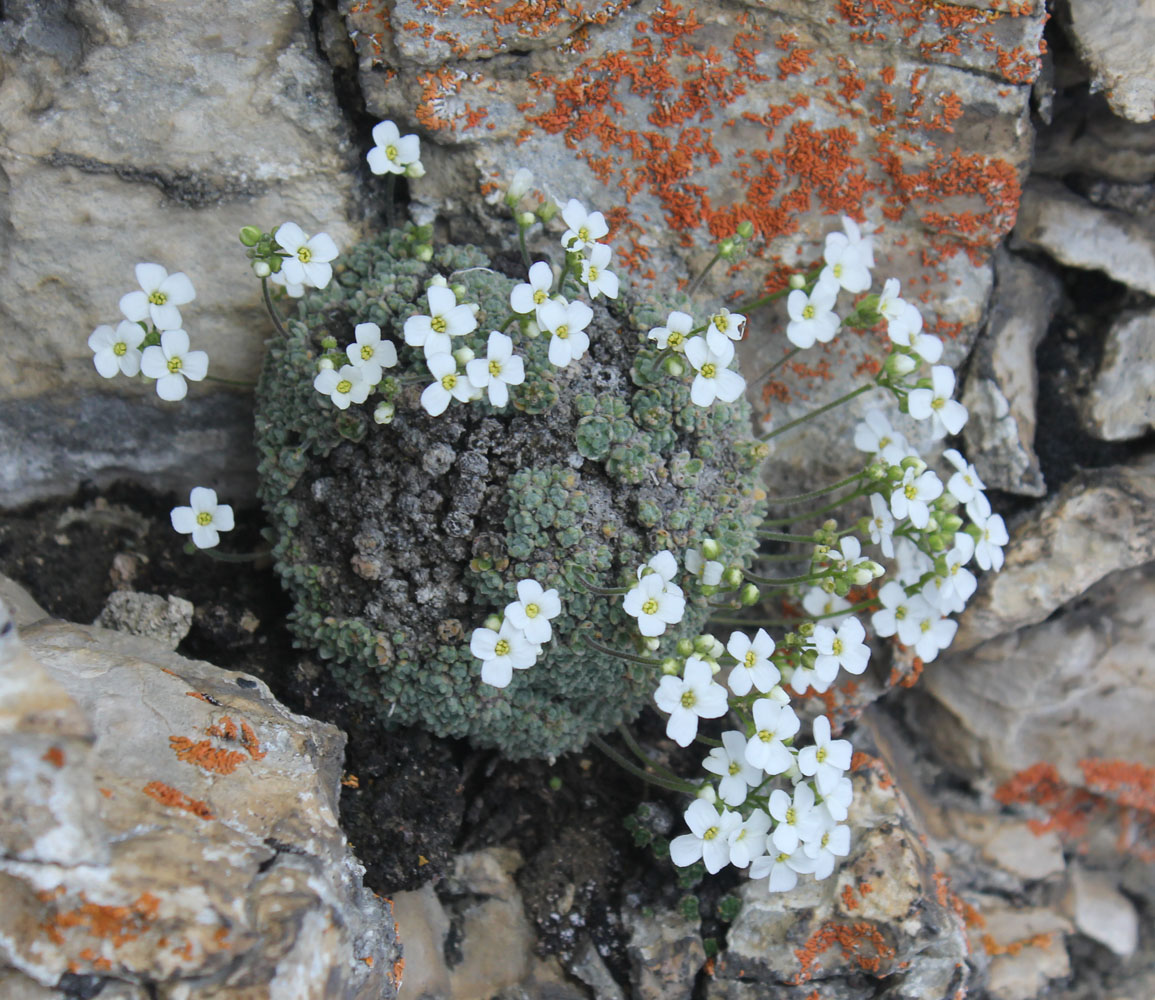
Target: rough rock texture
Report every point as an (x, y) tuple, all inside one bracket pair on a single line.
[(1114, 40), (881, 918), (165, 620), (169, 823), (1026, 946), (144, 132), (666, 954), (1102, 912), (1085, 138), (1121, 403), (1002, 384)]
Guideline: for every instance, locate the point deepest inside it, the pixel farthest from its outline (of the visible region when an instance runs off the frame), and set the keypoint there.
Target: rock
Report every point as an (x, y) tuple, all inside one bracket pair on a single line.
[(1026, 947), (423, 925), (1002, 383), (1113, 41), (588, 966), (883, 917), (1102, 520), (1121, 404), (1078, 687), (1077, 234), (1011, 844), (172, 823), (1102, 912), (1086, 138), (666, 954), (165, 620), (22, 605)]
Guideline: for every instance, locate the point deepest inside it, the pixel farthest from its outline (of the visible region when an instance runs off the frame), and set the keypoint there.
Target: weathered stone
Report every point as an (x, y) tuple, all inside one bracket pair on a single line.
[(882, 915), (1101, 521), (1086, 138), (22, 605), (164, 620), (1121, 404), (206, 827), (666, 954), (1026, 947), (1011, 844), (1114, 40), (1078, 234), (1002, 383), (587, 965), (423, 925), (1102, 912)]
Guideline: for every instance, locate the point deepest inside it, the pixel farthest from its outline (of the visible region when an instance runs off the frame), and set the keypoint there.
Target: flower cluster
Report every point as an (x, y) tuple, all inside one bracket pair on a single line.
[(204, 519), (394, 153), (709, 355), (514, 642)]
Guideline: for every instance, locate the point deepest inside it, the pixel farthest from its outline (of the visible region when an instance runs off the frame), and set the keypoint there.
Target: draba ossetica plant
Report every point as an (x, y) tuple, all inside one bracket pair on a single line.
[(519, 505)]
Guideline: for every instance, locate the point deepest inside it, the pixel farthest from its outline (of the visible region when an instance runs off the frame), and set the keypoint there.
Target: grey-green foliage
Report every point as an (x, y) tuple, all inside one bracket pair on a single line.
[(397, 541)]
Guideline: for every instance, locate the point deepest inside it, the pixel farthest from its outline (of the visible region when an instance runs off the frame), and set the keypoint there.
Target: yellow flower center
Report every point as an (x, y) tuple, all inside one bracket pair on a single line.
[(791, 816), (721, 322), (539, 296), (779, 858), (204, 518), (584, 233), (765, 735), (495, 368), (562, 331), (174, 364), (808, 312), (532, 611), (120, 348), (304, 255), (501, 647), (710, 834), (687, 700), (826, 838), (391, 153), (157, 298), (924, 625), (366, 352), (675, 339), (650, 607), (448, 382), (735, 767), (439, 324), (900, 612), (344, 386), (750, 658), (937, 403), (709, 370), (910, 490), (836, 647), (820, 756), (837, 270), (592, 274)]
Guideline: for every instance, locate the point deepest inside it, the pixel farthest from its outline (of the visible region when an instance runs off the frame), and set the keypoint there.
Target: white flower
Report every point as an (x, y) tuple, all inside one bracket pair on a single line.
[(204, 519), (708, 571), (873, 434), (911, 563), (774, 722), (565, 323), (819, 604), (688, 698), (292, 289), (533, 609), (754, 667), (727, 323), (812, 316), (833, 843), (912, 496), (849, 562), (349, 385), (749, 840), (675, 333), (709, 837), (502, 652), (797, 820), (836, 804), (448, 383), (370, 353), (171, 363), (894, 611), (907, 332), (308, 260), (519, 186), (931, 632), (729, 762), (116, 350), (446, 319), (849, 257), (947, 415), (530, 297), (827, 759), (844, 648), (585, 229), (965, 483), (954, 589), (392, 152), (881, 525), (499, 369), (664, 564), (989, 548), (655, 603), (596, 275), (162, 293), (710, 358), (782, 869)]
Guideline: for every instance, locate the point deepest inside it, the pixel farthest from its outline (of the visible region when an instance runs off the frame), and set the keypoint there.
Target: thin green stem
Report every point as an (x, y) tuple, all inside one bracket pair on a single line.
[(814, 494), (814, 413), (521, 243), (272, 309), (601, 591), (766, 299), (637, 772), (648, 661), (231, 381), (786, 581), (782, 536), (660, 769), (821, 510), (702, 277), (390, 213), (777, 364)]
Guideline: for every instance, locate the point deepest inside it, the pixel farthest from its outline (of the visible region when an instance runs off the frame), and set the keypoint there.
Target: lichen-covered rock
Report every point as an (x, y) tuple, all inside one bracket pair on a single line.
[(397, 541)]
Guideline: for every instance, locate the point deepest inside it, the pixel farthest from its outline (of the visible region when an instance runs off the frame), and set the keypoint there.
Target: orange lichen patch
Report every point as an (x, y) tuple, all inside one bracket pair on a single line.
[(197, 695), (848, 899), (226, 729), (116, 924), (204, 754), (397, 973), (993, 947), (368, 960), (351, 781), (861, 942), (54, 756), (106, 792), (166, 795), (794, 62), (1128, 784)]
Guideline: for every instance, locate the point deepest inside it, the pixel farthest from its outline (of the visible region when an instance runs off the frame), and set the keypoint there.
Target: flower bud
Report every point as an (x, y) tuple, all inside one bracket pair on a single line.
[(674, 367), (519, 186), (439, 281), (546, 211), (415, 169), (671, 666), (779, 694), (473, 307), (745, 229), (329, 343), (261, 268), (325, 364), (952, 523), (797, 281), (914, 462), (651, 643), (493, 622), (727, 248), (525, 219), (704, 644), (710, 549), (684, 647), (251, 236), (531, 330), (424, 253), (806, 630), (707, 794), (733, 577), (463, 355), (899, 365), (459, 290), (750, 595), (383, 414)]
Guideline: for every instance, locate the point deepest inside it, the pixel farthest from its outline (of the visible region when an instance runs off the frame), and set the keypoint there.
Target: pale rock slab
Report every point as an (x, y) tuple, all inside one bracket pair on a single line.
[(1121, 403), (1086, 138), (1114, 39), (666, 954), (1102, 912), (1026, 945)]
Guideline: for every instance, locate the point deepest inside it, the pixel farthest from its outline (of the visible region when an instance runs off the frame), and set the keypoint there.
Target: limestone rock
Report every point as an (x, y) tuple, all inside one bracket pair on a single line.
[(1086, 138), (1026, 948), (1076, 233), (1002, 383), (205, 815), (666, 954), (1114, 40), (1102, 912), (1011, 844), (1101, 521), (882, 917), (1122, 398), (165, 620)]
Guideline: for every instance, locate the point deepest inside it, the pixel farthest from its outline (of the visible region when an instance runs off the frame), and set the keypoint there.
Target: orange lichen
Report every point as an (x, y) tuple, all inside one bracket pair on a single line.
[(861, 941), (116, 924), (351, 781), (54, 756), (204, 754), (166, 795), (993, 947), (848, 899)]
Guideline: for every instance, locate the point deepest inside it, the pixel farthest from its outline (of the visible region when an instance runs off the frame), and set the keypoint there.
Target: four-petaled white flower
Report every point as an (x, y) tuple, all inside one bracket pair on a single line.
[(964, 485), (529, 297), (533, 609), (993, 536), (781, 869), (370, 353), (502, 652), (448, 383), (160, 295), (675, 333), (565, 322), (947, 415), (663, 563), (714, 379), (709, 838), (819, 604), (874, 434), (881, 525), (844, 648), (392, 152), (596, 275), (308, 260), (833, 843), (933, 633), (773, 724), (749, 840), (349, 385), (907, 332), (498, 370), (655, 603), (728, 324), (911, 497), (812, 317), (585, 228), (754, 668), (849, 257), (116, 350), (688, 698), (204, 519), (729, 762), (826, 759), (171, 362), (446, 319), (707, 571), (797, 819)]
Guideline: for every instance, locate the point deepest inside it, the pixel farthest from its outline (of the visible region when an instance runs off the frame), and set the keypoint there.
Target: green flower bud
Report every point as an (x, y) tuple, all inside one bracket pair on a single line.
[(727, 248), (555, 784), (750, 595), (383, 414), (951, 523), (899, 365), (806, 630), (493, 622), (251, 236), (914, 462), (459, 290), (651, 643), (710, 549), (329, 343), (546, 211), (684, 647), (707, 794), (424, 253), (733, 577), (671, 666), (797, 281), (674, 367), (745, 229), (526, 219), (415, 170), (463, 355)]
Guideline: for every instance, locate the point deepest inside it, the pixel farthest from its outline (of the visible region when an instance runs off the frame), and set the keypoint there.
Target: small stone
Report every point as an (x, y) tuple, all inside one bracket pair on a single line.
[(1102, 912), (1121, 404), (1027, 948), (165, 620), (666, 953), (1012, 845), (1115, 41)]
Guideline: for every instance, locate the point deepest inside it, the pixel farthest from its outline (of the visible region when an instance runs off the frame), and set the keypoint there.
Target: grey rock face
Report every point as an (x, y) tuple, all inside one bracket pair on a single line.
[(1115, 41), (165, 620), (189, 841), (1121, 404)]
